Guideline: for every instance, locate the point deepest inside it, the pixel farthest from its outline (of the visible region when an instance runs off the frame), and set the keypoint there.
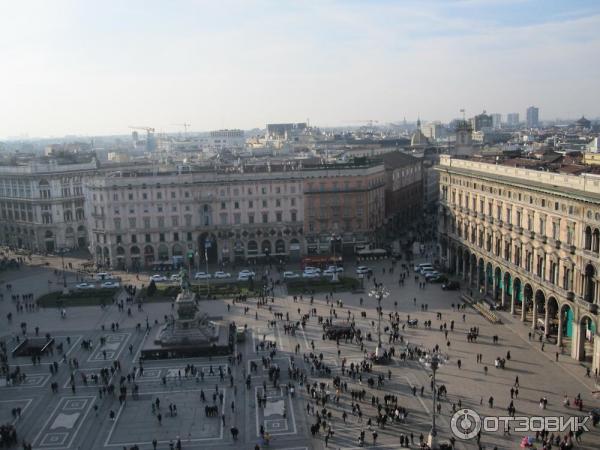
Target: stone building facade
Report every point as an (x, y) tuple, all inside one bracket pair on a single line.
[(137, 219), (530, 240), (42, 204)]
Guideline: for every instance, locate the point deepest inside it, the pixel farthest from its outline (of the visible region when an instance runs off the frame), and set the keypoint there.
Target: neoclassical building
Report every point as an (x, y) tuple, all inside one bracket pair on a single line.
[(531, 241), (42, 204), (141, 218)]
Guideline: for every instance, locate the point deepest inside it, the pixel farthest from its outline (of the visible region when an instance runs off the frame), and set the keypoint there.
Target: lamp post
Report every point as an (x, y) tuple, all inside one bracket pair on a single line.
[(379, 292), (333, 239), (207, 245), (64, 273), (432, 438)]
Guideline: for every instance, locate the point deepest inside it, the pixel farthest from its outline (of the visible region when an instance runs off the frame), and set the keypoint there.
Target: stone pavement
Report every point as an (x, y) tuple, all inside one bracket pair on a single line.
[(69, 420)]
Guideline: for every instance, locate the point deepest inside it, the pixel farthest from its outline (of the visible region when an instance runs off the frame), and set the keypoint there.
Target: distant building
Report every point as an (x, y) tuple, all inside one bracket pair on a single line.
[(533, 119), (583, 124), (222, 139), (284, 131), (418, 139), (512, 119), (464, 139), (481, 122), (496, 120), (434, 131)]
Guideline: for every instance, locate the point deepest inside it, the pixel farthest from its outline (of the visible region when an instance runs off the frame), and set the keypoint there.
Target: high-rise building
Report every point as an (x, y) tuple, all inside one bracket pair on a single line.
[(512, 119), (533, 117), (481, 122), (496, 120)]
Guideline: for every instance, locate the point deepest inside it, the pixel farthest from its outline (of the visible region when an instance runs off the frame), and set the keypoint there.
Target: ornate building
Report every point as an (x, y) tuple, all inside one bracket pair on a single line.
[(42, 204), (530, 240), (140, 218)]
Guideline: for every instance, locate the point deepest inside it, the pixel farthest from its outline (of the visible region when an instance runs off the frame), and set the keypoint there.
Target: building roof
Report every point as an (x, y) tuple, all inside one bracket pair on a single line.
[(398, 159)]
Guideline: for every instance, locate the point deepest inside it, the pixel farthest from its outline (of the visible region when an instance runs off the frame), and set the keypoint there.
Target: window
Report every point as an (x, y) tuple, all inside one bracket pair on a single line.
[(161, 222), (146, 222), (176, 236), (145, 196), (236, 205), (278, 190), (148, 238), (133, 239), (542, 224), (237, 218), (188, 220), (264, 203), (161, 237), (263, 190), (570, 233), (293, 202), (159, 195), (555, 230), (119, 238), (250, 218), (130, 196), (186, 194), (294, 216), (278, 216), (189, 236), (175, 221), (250, 204), (223, 205), (265, 218), (173, 195), (117, 224), (132, 222), (223, 218)]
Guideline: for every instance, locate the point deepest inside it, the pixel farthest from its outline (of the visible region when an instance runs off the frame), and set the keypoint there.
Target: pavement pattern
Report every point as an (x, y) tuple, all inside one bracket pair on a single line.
[(79, 415)]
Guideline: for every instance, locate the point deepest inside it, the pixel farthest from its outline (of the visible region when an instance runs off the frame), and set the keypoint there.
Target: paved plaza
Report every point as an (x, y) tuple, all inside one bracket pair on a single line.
[(80, 415)]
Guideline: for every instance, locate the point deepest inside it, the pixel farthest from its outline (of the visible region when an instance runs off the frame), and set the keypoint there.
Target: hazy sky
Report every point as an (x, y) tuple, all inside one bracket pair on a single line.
[(96, 67)]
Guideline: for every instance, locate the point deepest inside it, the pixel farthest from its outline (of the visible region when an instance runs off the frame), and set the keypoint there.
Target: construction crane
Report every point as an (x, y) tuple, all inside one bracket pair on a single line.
[(184, 125), (150, 141)]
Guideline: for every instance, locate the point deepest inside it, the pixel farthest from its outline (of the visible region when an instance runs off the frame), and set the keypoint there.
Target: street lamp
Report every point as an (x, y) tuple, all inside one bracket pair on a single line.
[(64, 273), (333, 239), (207, 245), (379, 292), (434, 364)]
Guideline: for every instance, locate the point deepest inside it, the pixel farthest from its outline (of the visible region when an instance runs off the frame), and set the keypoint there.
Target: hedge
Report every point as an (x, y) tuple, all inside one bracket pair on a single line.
[(305, 285), (88, 297)]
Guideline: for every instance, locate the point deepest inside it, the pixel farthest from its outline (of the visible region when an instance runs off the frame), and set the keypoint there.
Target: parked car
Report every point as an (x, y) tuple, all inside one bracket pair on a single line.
[(85, 286), (310, 274), (202, 276), (175, 277), (451, 286), (288, 275), (157, 278), (362, 270), (336, 269), (221, 274), (110, 285), (431, 275), (439, 279), (329, 272), (246, 273), (424, 267), (308, 269)]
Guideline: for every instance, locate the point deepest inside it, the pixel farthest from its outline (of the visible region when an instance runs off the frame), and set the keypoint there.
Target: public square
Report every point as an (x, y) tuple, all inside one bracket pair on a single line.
[(80, 416)]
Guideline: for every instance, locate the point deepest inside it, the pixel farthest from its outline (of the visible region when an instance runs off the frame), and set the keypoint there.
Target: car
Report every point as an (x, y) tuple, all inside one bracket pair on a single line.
[(439, 279), (310, 275), (311, 269), (336, 269), (246, 273), (157, 278), (329, 272), (432, 274), (202, 276), (175, 277), (85, 286), (221, 274), (362, 270), (288, 275), (424, 267), (451, 286), (110, 285)]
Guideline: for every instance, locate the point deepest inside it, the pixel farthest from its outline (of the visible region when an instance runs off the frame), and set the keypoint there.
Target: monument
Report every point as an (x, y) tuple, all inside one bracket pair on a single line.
[(192, 333)]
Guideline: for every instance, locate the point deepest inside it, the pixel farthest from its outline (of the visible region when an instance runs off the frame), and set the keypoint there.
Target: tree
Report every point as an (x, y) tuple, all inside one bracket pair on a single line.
[(151, 289)]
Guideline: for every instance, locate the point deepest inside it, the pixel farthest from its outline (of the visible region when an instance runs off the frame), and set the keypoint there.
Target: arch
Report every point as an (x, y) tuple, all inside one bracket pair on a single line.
[(538, 309), (98, 250), (177, 250), (589, 283), (238, 249), (48, 234), (134, 250), (81, 229), (120, 251), (163, 252), (596, 240), (587, 238), (587, 331), (252, 248), (265, 247), (516, 294), (280, 246), (551, 317)]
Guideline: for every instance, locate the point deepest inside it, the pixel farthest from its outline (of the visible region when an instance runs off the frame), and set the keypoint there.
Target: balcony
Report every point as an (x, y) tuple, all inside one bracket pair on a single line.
[(589, 307)]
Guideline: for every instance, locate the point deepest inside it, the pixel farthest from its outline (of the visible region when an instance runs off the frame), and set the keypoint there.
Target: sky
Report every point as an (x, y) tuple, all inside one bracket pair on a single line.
[(97, 67)]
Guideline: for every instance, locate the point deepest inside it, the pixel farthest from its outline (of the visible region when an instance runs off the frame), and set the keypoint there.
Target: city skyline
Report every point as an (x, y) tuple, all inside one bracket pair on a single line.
[(86, 69)]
